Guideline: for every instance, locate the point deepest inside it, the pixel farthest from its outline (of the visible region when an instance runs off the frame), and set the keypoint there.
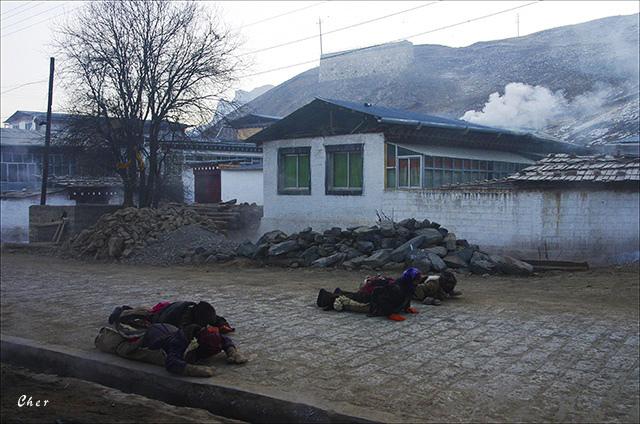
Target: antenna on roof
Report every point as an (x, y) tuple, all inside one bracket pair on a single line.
[(320, 25), (518, 24)]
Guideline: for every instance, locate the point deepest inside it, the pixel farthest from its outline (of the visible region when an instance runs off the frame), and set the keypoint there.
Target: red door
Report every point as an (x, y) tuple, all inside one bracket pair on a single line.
[(207, 185)]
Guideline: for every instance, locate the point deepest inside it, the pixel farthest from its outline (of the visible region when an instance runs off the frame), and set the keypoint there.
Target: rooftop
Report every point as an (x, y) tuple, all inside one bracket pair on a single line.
[(326, 117), (592, 169)]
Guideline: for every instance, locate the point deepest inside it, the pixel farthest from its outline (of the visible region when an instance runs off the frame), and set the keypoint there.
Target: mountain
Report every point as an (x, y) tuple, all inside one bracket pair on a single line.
[(578, 83)]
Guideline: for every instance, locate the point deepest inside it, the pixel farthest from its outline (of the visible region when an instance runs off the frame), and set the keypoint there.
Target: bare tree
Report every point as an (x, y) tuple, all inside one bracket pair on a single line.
[(138, 66)]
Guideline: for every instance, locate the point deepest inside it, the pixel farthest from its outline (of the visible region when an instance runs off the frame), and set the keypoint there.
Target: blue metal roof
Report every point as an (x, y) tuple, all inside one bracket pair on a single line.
[(324, 117), (412, 118)]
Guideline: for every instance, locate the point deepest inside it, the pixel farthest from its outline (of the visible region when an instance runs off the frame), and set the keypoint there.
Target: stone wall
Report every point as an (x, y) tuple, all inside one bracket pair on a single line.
[(384, 59), (78, 217)]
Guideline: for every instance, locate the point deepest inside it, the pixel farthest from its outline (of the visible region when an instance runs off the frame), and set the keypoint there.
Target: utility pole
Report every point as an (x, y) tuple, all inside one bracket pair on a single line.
[(320, 25), (518, 23), (47, 137)]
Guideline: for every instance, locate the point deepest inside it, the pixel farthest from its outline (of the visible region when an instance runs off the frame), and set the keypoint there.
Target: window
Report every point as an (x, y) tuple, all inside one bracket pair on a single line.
[(344, 172), (390, 166), (409, 168), (294, 171)]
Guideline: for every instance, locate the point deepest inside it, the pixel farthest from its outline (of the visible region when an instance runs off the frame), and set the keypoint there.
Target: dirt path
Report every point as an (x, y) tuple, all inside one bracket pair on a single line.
[(554, 347)]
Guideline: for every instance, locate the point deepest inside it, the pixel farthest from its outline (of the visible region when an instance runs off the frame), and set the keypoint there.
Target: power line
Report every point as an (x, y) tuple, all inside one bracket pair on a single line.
[(33, 16), (20, 6), (39, 22), (23, 85), (284, 14), (31, 6), (338, 29), (399, 39)]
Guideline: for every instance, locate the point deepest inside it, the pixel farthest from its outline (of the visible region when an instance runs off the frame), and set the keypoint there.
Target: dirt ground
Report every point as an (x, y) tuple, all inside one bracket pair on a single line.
[(76, 401), (556, 346)]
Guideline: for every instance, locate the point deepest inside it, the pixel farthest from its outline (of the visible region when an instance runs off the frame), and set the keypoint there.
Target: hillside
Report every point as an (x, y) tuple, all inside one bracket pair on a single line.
[(579, 82)]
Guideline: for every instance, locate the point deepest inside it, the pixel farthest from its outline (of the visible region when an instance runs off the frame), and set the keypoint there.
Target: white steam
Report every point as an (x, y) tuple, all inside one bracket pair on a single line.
[(527, 107)]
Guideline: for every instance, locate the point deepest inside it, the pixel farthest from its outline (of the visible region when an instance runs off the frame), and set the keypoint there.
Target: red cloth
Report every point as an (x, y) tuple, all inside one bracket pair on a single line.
[(374, 282), (160, 306)]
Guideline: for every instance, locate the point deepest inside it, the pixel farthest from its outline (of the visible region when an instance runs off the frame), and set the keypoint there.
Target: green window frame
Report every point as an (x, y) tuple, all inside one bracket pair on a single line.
[(344, 169), (294, 171)]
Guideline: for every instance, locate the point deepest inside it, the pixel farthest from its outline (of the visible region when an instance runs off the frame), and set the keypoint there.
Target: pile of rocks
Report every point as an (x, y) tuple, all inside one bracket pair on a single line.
[(388, 245), (119, 234)]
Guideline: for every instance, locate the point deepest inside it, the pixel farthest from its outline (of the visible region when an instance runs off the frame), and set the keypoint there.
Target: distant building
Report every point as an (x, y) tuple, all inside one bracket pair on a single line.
[(627, 146), (383, 59)]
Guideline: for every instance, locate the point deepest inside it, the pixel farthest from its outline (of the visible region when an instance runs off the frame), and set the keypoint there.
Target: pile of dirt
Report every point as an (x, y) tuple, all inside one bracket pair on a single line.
[(190, 244), (118, 235)]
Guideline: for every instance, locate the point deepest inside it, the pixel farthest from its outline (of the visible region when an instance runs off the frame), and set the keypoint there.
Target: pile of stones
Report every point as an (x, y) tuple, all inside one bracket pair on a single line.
[(121, 233), (388, 245)]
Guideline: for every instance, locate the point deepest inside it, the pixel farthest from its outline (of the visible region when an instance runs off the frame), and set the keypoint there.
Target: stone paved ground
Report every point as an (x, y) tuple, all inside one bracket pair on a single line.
[(555, 347)]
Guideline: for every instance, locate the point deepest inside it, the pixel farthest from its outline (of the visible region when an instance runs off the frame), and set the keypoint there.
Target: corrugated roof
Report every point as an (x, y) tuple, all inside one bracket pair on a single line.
[(326, 117), (412, 118), (569, 168), (18, 137)]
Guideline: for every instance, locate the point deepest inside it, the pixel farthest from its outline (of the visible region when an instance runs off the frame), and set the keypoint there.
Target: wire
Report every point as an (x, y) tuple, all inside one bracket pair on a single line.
[(39, 22), (399, 39), (22, 11), (23, 85), (338, 29), (283, 14), (33, 16), (20, 6)]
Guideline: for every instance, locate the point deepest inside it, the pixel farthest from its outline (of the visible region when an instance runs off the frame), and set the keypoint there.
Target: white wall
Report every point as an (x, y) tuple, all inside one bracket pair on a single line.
[(598, 226), (15, 215), (188, 182), (243, 185), (294, 212)]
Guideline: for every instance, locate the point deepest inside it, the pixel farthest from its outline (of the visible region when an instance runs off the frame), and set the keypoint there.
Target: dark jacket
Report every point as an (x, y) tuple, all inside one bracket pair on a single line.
[(181, 314), (173, 342), (391, 298)]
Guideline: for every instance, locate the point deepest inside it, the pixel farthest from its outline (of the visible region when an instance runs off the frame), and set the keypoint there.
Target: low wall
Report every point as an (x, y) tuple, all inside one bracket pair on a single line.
[(14, 214), (243, 185), (78, 218), (597, 226)]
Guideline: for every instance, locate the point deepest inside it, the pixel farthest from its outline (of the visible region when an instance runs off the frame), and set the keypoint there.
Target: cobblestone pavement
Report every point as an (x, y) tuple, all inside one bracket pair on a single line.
[(556, 347)]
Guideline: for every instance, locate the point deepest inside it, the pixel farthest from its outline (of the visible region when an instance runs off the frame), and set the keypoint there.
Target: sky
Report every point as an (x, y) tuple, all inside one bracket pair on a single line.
[(27, 29)]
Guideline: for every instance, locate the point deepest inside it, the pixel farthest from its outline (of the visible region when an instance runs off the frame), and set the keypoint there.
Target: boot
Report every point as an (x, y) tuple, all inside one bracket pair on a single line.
[(235, 357), (325, 299)]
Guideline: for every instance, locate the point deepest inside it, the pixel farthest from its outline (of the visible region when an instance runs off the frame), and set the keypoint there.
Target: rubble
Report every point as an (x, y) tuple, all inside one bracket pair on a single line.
[(120, 234), (388, 245)]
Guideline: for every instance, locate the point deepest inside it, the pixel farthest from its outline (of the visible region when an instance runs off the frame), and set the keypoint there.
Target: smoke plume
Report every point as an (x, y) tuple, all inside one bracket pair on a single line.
[(527, 107)]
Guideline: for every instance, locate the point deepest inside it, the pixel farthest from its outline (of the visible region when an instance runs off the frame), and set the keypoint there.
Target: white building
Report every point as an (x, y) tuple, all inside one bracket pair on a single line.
[(337, 163)]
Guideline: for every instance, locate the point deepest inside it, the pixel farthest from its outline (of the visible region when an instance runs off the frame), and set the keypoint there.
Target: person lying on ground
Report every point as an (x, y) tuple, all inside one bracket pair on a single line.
[(141, 328), (433, 289), (180, 351), (378, 296)]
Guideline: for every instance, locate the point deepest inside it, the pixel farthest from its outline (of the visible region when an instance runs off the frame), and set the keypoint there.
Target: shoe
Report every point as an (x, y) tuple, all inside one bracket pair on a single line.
[(325, 299)]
